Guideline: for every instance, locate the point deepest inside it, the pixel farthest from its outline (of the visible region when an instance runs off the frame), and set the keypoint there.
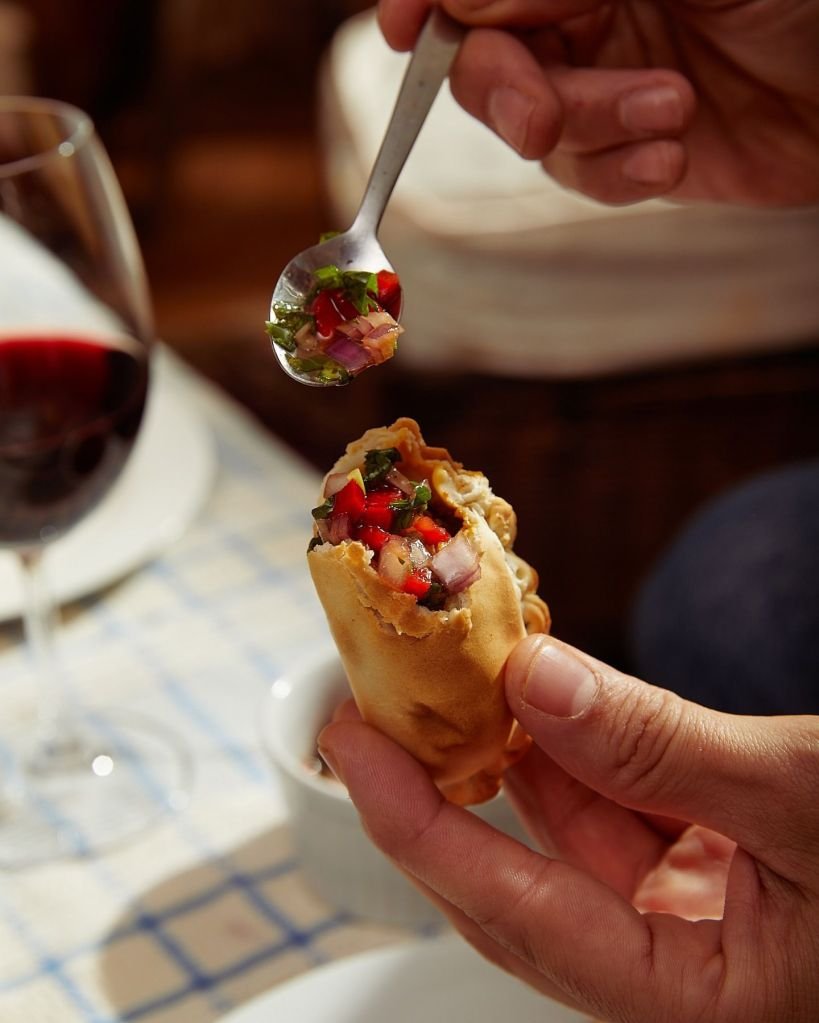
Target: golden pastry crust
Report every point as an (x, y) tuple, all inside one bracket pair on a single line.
[(432, 680)]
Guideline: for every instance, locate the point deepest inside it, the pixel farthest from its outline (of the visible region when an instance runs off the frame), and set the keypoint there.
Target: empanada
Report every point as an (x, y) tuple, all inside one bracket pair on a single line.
[(413, 563)]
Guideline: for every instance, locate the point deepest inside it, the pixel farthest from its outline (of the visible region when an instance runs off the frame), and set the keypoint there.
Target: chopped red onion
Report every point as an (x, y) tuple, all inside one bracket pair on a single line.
[(338, 528), (306, 338), (394, 562), (419, 555), (335, 481), (380, 350), (380, 331), (376, 318), (351, 356), (398, 479), (456, 564), (351, 329)]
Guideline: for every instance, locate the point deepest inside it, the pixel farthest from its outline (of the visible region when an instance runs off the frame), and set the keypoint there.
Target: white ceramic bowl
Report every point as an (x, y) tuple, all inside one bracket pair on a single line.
[(337, 858)]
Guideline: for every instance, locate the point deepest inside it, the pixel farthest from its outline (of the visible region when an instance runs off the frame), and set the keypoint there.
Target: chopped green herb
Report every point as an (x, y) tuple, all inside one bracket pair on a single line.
[(289, 321), (361, 289), (359, 286), (281, 336), (327, 235), (291, 317), (329, 276), (405, 510), (323, 510), (321, 367), (435, 597), (377, 464)]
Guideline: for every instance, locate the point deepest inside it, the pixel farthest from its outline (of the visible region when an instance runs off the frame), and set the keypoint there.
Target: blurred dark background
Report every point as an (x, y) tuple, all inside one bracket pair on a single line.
[(209, 113)]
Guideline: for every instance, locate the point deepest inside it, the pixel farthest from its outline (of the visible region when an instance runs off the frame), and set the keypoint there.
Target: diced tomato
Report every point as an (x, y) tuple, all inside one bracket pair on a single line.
[(389, 291), (331, 308), (384, 497), (344, 306), (349, 500), (429, 530), (418, 582), (377, 514), (327, 315), (377, 511), (372, 536)]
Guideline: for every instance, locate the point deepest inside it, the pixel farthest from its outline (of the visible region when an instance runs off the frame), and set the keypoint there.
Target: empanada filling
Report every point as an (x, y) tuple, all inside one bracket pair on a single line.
[(417, 542)]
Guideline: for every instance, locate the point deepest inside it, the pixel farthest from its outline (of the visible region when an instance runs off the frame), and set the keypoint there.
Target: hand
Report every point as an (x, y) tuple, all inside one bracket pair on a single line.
[(696, 99), (660, 811)]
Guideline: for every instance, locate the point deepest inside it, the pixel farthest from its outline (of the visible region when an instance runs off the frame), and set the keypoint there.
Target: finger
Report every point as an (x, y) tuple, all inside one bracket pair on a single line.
[(496, 78), (577, 933), (400, 21), (580, 111), (516, 13), (502, 957), (625, 174), (607, 108), (573, 822), (346, 711), (750, 779), (669, 827)]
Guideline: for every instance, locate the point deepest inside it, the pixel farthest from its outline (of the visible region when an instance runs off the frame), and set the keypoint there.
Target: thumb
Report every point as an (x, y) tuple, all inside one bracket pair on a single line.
[(752, 779)]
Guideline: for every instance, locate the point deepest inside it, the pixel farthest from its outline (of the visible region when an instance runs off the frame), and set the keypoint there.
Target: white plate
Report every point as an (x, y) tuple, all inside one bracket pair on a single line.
[(437, 981), (164, 484)]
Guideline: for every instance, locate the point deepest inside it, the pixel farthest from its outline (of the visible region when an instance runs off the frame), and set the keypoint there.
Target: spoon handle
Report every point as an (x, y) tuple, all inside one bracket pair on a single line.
[(428, 67)]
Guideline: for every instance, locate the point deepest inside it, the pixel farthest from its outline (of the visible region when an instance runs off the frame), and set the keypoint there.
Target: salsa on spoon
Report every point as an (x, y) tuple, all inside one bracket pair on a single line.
[(348, 322), (345, 284)]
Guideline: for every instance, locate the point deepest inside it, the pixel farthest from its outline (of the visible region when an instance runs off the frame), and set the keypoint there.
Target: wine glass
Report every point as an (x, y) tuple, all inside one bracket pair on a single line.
[(75, 337)]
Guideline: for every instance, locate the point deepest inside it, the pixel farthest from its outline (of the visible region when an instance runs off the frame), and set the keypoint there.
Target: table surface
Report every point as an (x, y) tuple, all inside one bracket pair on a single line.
[(208, 908)]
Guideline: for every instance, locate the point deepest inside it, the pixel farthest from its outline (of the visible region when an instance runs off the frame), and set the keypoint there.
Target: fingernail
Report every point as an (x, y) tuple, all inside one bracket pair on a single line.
[(329, 758), (510, 112), (557, 683), (656, 109), (649, 165)]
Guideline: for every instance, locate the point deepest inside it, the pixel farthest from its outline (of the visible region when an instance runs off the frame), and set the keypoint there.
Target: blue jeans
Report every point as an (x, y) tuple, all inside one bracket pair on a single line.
[(730, 616)]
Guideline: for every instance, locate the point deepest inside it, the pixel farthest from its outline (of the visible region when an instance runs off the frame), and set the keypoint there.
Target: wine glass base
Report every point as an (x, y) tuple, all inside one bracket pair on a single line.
[(124, 775)]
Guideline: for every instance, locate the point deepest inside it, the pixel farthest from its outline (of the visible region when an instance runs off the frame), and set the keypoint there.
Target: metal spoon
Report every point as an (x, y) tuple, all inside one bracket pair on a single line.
[(358, 248)]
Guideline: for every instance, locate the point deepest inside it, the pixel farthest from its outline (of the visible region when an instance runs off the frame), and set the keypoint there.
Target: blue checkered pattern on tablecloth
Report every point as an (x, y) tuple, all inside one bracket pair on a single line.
[(207, 909)]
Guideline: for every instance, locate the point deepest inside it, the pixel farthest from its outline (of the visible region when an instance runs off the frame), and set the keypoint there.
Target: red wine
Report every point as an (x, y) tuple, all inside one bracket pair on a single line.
[(70, 409)]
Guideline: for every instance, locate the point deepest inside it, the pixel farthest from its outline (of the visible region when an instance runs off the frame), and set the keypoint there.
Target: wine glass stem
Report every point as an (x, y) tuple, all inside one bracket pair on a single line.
[(58, 742)]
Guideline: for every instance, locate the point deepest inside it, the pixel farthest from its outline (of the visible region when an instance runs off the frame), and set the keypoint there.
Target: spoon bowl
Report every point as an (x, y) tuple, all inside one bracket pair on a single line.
[(350, 250), (358, 248)]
